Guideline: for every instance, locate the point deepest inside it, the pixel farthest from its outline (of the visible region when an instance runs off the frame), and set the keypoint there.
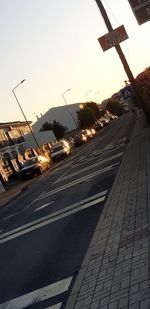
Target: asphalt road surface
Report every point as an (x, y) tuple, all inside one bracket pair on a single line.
[(45, 231)]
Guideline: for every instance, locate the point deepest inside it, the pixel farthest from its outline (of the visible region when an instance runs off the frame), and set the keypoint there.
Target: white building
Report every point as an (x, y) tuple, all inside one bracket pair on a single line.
[(66, 115)]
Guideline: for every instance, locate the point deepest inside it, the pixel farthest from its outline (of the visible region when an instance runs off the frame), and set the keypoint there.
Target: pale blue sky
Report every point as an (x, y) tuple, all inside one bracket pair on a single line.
[(53, 45)]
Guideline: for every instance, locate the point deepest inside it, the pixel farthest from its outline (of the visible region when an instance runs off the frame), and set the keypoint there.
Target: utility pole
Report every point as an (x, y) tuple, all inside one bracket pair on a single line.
[(119, 51)]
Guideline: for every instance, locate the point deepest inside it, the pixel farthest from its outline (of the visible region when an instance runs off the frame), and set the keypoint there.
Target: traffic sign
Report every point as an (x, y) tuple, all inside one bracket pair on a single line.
[(141, 10), (113, 38), (127, 92)]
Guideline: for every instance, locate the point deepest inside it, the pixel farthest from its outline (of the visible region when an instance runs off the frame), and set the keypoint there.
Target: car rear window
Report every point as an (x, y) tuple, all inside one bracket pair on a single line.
[(58, 148), (30, 162)]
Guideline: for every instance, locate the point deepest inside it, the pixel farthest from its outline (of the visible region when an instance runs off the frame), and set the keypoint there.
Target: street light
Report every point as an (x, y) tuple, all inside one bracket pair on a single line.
[(95, 96), (13, 91), (63, 95), (86, 97)]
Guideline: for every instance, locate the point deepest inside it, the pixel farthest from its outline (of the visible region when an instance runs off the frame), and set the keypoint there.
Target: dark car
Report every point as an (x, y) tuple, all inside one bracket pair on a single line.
[(34, 166), (80, 139)]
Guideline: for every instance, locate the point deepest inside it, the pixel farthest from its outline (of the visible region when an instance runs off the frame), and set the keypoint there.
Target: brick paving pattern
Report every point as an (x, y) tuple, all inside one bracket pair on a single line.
[(115, 271)]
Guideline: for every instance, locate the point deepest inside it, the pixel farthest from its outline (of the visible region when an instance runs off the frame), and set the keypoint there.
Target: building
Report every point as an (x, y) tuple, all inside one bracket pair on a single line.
[(66, 115), (17, 143), (12, 147)]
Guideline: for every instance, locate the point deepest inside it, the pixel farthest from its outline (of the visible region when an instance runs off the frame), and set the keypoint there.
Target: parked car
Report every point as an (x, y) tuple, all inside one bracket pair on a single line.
[(87, 133), (98, 125), (93, 132), (34, 166), (80, 139), (60, 150)]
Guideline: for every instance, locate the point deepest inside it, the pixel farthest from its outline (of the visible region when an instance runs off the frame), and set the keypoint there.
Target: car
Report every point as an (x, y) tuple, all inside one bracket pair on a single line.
[(93, 132), (60, 150), (80, 139), (98, 125), (87, 133), (34, 166)]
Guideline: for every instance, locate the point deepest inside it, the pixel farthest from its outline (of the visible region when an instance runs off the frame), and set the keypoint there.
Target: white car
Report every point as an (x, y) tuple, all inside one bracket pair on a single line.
[(60, 151)]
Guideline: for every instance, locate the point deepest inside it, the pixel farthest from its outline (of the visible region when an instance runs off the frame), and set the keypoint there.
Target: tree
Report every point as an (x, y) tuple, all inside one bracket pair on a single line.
[(46, 126), (115, 108), (94, 107), (86, 118), (56, 127), (88, 115)]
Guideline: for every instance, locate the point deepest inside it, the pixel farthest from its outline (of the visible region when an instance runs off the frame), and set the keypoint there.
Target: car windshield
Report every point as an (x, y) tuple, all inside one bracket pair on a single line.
[(57, 148), (29, 162)]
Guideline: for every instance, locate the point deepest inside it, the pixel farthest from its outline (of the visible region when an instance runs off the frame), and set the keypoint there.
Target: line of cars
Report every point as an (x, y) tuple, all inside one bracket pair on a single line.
[(60, 150), (39, 164), (83, 136)]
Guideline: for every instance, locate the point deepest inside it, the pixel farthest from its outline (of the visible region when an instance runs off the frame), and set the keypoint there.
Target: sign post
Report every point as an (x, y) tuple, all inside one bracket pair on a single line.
[(141, 10)]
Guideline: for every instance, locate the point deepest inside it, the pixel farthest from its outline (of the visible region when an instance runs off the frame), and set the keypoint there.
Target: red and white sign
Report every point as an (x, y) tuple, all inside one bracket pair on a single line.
[(113, 38)]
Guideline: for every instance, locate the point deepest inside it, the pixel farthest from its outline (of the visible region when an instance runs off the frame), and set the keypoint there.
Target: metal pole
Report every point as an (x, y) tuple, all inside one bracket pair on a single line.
[(63, 95), (119, 51), (86, 97), (25, 115)]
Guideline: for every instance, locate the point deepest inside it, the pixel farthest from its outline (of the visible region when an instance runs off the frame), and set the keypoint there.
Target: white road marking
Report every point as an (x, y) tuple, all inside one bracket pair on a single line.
[(57, 215), (43, 206), (80, 180), (38, 295), (1, 230), (63, 177), (10, 216), (57, 306)]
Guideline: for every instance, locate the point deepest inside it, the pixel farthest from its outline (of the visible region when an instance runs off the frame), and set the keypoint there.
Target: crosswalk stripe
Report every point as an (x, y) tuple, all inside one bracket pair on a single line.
[(57, 306), (89, 167), (44, 206), (38, 295), (80, 180), (57, 215)]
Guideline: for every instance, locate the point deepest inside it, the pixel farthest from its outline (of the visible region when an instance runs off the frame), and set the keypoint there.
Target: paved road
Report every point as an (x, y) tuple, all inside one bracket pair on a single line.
[(45, 232)]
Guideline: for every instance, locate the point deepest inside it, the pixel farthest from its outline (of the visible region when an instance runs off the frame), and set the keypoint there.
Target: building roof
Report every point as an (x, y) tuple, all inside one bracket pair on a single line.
[(66, 115), (14, 123)]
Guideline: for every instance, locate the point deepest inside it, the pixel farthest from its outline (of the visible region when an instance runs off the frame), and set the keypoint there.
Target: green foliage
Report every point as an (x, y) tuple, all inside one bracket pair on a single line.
[(94, 107), (86, 118), (114, 107), (103, 111), (88, 115), (56, 127), (46, 126)]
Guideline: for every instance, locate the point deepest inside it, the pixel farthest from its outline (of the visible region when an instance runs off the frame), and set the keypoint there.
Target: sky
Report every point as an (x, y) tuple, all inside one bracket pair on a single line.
[(53, 45)]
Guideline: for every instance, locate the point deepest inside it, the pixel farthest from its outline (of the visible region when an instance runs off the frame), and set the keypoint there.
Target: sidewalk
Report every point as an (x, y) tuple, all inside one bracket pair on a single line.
[(115, 271)]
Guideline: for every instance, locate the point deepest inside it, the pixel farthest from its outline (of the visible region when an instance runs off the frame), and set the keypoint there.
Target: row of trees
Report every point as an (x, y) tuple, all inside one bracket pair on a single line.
[(87, 116), (90, 112), (56, 127)]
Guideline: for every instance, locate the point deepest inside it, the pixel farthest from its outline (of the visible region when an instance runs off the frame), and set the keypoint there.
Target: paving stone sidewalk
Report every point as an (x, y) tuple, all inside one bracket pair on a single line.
[(115, 271)]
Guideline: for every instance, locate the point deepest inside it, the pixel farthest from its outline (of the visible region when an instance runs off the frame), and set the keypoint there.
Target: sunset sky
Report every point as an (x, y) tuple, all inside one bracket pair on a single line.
[(53, 45)]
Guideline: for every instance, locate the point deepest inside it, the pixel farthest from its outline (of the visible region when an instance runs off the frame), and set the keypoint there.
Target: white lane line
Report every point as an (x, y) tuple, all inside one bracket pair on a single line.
[(63, 177), (60, 214), (43, 206), (93, 197), (38, 295), (80, 180), (57, 306), (10, 216)]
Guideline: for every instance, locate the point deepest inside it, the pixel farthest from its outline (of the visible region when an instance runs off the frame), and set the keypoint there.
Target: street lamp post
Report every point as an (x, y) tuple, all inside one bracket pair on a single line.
[(63, 95), (13, 91), (86, 97), (95, 96)]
